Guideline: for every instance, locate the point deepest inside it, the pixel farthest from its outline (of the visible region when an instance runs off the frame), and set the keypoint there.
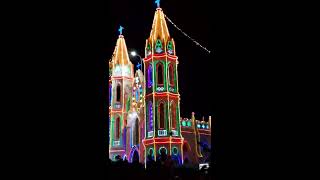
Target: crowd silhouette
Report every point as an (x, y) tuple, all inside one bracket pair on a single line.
[(165, 168)]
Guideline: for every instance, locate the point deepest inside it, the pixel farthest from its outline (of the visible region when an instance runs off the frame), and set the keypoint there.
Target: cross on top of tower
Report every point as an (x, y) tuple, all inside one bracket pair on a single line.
[(138, 65), (158, 3), (120, 30)]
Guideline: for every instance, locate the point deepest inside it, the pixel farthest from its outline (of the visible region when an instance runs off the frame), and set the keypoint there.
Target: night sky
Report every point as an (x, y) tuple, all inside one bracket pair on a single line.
[(196, 80)]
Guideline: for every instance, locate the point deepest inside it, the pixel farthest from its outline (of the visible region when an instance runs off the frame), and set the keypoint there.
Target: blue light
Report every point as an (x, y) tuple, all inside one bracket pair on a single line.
[(139, 65), (120, 30), (158, 3)]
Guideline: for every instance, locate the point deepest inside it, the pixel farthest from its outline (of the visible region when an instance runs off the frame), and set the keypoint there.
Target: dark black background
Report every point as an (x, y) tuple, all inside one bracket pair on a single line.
[(58, 52)]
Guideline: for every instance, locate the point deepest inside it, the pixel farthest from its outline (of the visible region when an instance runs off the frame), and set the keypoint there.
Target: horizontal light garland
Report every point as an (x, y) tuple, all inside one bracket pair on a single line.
[(164, 94), (205, 134), (116, 151), (121, 77), (187, 132), (167, 142), (160, 57)]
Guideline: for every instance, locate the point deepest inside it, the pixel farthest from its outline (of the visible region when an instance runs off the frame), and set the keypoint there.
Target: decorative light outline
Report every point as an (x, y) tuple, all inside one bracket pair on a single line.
[(162, 147)]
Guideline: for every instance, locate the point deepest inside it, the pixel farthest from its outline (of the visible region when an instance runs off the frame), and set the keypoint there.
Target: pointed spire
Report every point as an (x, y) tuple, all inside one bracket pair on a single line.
[(159, 27), (120, 55)]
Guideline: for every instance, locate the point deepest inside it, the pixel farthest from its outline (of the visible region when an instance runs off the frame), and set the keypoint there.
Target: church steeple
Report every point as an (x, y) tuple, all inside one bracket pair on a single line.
[(162, 99), (120, 52), (121, 93), (159, 41), (121, 63), (159, 27)]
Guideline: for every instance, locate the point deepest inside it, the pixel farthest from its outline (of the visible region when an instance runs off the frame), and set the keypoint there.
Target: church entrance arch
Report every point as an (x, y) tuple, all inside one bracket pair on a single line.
[(134, 154)]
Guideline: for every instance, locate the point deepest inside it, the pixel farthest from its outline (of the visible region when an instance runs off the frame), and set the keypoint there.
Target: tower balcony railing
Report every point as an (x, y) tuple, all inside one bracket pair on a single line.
[(117, 105), (171, 89), (160, 88), (150, 134), (116, 143), (162, 132), (174, 133)]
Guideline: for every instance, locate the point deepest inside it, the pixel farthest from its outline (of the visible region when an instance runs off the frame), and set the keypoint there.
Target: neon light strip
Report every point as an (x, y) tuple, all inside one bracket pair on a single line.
[(187, 132), (165, 23), (167, 142), (154, 26), (155, 56), (162, 140), (205, 134), (167, 138), (172, 58), (204, 130), (116, 151), (170, 146), (154, 103), (121, 77), (168, 104), (164, 94), (117, 111), (161, 25)]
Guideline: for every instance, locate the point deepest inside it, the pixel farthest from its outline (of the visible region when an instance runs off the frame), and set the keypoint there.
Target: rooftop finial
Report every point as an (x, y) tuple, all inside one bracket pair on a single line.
[(158, 3), (138, 65), (120, 30)]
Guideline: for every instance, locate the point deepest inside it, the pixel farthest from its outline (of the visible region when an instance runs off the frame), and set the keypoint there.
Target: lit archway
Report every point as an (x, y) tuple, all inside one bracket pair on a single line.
[(134, 155)]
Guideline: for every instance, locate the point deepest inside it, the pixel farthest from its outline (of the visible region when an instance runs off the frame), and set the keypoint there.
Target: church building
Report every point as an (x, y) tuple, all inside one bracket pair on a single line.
[(144, 106)]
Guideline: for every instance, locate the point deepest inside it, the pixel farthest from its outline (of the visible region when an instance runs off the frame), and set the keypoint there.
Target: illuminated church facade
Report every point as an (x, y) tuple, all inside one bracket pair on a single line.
[(144, 107)]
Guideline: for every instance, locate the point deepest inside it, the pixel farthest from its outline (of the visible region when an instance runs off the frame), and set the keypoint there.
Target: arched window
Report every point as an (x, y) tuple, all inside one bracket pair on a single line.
[(170, 47), (151, 152), (117, 129), (160, 73), (150, 76), (173, 116), (118, 93), (163, 150), (171, 75), (150, 117), (161, 115), (175, 151), (137, 131), (158, 46)]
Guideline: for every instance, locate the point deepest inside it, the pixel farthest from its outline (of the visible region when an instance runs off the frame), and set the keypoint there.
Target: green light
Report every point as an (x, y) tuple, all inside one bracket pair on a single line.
[(158, 44), (150, 151), (163, 148), (170, 45), (175, 151), (189, 123), (183, 123)]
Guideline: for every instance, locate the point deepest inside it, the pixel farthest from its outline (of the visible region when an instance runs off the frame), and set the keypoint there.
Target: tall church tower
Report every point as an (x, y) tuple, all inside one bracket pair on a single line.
[(121, 93), (162, 99)]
